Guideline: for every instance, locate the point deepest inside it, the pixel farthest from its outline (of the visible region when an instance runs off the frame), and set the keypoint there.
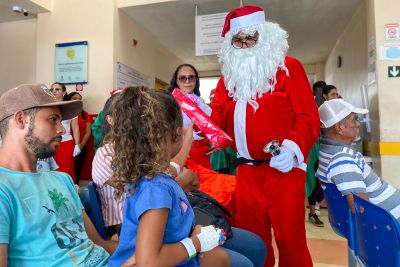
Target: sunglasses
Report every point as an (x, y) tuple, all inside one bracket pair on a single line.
[(190, 78), (55, 90)]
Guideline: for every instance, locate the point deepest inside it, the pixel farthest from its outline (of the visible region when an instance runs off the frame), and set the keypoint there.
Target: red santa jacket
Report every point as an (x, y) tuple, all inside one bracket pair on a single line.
[(288, 114)]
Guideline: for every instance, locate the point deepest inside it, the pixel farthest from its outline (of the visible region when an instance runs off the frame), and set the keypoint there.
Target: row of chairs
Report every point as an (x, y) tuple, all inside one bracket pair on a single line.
[(372, 233)]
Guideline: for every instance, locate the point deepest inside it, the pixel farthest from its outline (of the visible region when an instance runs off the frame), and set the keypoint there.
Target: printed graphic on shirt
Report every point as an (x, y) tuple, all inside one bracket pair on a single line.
[(69, 233)]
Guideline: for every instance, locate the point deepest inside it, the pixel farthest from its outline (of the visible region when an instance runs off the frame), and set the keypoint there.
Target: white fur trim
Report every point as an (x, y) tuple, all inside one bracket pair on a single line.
[(248, 20), (240, 129), (299, 155)]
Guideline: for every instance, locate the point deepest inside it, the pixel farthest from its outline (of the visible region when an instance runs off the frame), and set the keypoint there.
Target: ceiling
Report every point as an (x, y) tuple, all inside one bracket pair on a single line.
[(313, 25), (7, 14)]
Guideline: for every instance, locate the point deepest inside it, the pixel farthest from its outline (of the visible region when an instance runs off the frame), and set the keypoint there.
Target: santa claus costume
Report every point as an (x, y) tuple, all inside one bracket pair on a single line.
[(265, 95)]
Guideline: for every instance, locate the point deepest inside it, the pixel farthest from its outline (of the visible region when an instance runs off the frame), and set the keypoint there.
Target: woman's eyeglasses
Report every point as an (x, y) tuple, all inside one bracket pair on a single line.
[(249, 40), (190, 78), (55, 90)]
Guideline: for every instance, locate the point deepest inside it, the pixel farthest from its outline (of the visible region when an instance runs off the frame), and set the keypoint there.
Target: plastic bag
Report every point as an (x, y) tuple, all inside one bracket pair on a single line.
[(215, 134)]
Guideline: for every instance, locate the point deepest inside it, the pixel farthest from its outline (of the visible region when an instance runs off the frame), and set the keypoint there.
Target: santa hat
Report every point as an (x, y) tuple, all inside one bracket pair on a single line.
[(242, 17)]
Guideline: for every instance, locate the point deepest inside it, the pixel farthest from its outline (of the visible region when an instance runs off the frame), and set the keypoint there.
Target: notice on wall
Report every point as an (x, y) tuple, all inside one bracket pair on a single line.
[(71, 61), (127, 76), (208, 33), (392, 31), (389, 51), (394, 71)]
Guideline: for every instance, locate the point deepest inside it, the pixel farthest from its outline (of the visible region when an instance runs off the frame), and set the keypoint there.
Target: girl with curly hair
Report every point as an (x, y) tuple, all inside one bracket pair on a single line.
[(158, 224)]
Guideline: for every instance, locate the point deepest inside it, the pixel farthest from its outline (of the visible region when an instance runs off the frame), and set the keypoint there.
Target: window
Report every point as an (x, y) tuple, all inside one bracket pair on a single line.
[(206, 85)]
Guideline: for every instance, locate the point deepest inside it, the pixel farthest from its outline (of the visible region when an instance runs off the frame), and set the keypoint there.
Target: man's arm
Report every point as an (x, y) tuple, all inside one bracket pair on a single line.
[(307, 125), (75, 131), (88, 132), (218, 103), (3, 255), (350, 200), (109, 245)]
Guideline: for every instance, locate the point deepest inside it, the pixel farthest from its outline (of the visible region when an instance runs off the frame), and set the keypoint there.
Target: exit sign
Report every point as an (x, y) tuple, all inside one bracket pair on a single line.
[(393, 71)]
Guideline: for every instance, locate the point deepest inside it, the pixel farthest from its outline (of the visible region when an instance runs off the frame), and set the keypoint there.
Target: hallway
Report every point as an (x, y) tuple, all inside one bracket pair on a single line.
[(326, 247)]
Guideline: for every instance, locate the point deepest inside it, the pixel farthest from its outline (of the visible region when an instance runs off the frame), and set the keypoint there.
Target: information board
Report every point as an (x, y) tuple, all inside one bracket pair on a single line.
[(71, 63)]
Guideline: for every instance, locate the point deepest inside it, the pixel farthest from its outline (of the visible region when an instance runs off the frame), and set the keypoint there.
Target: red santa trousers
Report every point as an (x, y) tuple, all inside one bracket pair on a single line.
[(266, 197), (65, 159)]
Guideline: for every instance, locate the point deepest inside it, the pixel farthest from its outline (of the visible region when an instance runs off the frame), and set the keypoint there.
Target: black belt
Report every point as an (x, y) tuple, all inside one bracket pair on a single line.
[(241, 161)]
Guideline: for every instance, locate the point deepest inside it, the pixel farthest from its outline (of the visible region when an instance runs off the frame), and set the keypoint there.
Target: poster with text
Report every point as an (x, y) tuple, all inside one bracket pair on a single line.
[(208, 34), (127, 76), (71, 63)]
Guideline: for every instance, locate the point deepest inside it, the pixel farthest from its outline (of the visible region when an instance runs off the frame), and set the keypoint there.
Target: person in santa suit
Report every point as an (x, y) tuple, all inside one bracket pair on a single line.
[(265, 95)]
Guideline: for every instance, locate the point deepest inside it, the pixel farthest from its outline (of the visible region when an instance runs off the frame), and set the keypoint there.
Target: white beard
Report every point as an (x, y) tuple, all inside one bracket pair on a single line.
[(249, 73)]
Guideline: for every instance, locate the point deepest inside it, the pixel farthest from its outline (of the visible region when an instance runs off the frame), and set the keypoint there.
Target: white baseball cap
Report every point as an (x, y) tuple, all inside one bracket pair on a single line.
[(335, 110)]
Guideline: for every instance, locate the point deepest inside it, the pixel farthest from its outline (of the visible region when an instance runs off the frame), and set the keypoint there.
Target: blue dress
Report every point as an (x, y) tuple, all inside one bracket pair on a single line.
[(157, 193)]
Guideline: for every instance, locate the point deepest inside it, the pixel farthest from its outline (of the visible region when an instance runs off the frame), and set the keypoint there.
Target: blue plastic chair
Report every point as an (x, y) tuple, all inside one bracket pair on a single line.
[(341, 219), (378, 235), (95, 213)]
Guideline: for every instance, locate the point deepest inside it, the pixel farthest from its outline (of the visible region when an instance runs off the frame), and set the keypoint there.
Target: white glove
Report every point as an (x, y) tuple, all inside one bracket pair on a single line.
[(283, 162), (210, 237), (77, 151)]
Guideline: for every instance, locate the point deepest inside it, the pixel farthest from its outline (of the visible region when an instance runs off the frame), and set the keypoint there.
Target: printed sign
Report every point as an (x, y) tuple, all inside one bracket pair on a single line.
[(71, 63), (389, 52), (208, 33), (393, 71), (392, 31), (127, 76)]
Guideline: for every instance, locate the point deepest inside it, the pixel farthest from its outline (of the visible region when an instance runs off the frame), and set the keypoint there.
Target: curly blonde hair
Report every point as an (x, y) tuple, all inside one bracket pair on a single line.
[(143, 120)]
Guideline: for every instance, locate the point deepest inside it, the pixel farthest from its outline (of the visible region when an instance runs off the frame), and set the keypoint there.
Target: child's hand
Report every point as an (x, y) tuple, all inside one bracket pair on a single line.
[(209, 237), (188, 130)]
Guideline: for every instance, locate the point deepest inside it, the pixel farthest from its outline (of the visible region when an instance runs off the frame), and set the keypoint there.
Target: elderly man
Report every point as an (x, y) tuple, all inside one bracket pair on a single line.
[(42, 219), (342, 165), (265, 95)]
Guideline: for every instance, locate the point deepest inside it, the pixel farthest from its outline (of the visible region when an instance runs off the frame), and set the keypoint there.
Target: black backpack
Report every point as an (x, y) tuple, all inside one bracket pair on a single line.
[(208, 211)]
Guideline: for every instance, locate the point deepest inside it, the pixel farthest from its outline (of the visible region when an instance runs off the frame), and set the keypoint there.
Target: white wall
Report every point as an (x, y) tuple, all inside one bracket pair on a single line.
[(148, 56), (75, 20), (387, 11), (17, 53), (352, 47)]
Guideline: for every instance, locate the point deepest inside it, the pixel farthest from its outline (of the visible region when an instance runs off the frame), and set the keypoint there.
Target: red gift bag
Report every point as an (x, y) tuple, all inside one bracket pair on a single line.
[(213, 133)]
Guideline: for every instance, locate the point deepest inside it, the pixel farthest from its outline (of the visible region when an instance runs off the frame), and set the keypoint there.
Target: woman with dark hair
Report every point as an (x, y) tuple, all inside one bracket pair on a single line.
[(186, 79), (69, 147), (329, 92), (85, 132), (192, 81)]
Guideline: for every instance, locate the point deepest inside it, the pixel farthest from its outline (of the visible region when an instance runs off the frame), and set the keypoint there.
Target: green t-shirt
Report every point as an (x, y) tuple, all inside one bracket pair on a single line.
[(96, 131)]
